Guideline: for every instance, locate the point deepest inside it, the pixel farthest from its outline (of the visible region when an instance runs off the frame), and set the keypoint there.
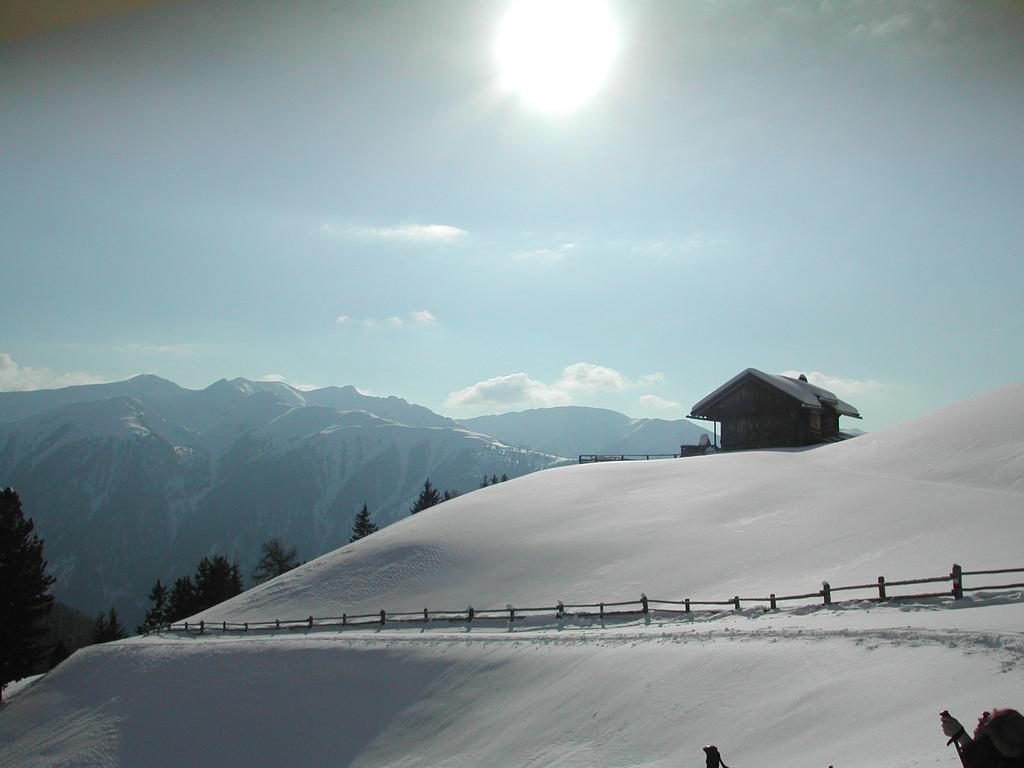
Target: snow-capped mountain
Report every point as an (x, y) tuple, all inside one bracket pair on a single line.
[(573, 430), (856, 684), (133, 481)]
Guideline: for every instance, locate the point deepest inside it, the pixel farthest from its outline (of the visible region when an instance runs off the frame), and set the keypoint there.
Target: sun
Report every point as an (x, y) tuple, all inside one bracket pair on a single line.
[(555, 54)]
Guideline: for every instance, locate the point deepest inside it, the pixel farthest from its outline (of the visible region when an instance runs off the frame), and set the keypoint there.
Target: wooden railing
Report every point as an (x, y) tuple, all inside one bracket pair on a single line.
[(645, 605), (593, 458)]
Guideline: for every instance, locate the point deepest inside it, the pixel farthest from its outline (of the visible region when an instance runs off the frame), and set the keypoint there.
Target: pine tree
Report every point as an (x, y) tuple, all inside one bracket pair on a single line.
[(182, 602), (108, 628), (449, 495), (428, 497), (216, 581), (24, 592), (156, 615), (362, 526), (275, 561), (504, 477)]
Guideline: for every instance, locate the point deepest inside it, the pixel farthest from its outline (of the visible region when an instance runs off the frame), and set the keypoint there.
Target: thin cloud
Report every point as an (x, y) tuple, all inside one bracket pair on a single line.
[(661, 403), (20, 378), (160, 349), (413, 233), (547, 254), (839, 386), (422, 318), (341, 319)]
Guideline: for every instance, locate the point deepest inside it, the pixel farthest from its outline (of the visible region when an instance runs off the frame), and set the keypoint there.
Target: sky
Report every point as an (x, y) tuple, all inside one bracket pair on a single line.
[(357, 193)]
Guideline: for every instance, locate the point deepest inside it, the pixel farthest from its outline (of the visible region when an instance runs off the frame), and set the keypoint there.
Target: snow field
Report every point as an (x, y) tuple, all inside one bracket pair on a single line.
[(856, 685)]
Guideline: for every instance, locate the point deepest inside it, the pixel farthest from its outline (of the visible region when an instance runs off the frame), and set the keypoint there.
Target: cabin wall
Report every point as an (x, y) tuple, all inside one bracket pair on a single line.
[(754, 415)]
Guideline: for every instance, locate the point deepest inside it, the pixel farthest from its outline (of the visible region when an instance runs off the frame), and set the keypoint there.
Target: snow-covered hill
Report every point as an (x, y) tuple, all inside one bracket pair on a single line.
[(855, 685)]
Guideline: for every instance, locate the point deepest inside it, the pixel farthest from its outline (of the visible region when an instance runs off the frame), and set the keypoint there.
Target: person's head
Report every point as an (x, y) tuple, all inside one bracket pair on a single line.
[(1005, 729)]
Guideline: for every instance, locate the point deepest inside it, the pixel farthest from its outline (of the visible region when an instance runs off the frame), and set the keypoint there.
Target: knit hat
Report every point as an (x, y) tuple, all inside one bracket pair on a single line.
[(1005, 727)]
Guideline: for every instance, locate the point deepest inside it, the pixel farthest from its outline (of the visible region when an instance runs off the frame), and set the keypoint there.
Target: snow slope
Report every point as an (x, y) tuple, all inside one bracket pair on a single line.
[(854, 685)]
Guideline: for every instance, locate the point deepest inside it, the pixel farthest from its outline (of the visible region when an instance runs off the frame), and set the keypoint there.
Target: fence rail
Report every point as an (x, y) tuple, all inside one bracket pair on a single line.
[(593, 458), (644, 605)]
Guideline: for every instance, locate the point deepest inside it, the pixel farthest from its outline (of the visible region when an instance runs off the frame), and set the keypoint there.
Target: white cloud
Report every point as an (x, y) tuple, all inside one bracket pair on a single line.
[(843, 387), (17, 378), (518, 389), (506, 391), (423, 317), (653, 401), (342, 319), (421, 233), (393, 322), (587, 377)]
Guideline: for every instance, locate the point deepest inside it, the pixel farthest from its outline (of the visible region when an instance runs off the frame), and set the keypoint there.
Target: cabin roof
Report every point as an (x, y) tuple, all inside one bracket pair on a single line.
[(807, 394)]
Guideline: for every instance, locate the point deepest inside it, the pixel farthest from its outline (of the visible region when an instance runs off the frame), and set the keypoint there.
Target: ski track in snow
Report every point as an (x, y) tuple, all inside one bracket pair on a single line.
[(1007, 647)]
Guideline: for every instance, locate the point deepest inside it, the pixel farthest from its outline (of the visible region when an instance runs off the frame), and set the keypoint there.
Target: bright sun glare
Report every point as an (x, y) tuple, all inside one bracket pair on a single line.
[(556, 53)]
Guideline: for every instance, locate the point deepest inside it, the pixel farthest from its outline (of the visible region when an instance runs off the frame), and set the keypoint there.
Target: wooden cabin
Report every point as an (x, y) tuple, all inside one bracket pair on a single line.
[(763, 410)]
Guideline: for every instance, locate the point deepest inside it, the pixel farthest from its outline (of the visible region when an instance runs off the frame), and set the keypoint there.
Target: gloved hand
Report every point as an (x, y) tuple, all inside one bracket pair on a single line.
[(950, 725)]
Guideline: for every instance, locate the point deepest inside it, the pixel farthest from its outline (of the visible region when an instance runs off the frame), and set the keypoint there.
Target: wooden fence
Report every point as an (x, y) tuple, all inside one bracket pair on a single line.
[(879, 592), (593, 458)]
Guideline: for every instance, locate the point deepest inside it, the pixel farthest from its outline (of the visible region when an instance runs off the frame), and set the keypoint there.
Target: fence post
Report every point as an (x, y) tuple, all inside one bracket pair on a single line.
[(736, 602), (686, 604), (602, 610), (309, 622), (511, 613), (382, 616), (957, 575), (247, 626), (643, 600), (771, 601), (224, 627), (826, 593), (344, 619), (881, 589)]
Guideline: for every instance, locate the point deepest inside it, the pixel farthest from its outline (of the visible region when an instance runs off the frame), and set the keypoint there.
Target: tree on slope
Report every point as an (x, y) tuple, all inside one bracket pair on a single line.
[(24, 591), (428, 497), (216, 581), (274, 561), (157, 613), (363, 525), (182, 602), (108, 628)]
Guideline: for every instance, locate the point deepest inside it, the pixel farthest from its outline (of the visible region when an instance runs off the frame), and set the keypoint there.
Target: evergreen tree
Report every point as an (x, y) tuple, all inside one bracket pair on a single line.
[(24, 592), (108, 628), (182, 602), (428, 497), (494, 479), (504, 477), (216, 581), (363, 526), (156, 615), (449, 495), (275, 561)]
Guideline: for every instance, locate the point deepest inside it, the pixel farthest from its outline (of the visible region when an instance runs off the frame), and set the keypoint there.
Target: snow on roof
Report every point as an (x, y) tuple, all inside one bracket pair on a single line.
[(809, 395)]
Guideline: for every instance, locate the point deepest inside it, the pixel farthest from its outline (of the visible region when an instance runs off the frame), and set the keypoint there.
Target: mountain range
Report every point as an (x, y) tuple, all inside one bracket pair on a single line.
[(137, 480)]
